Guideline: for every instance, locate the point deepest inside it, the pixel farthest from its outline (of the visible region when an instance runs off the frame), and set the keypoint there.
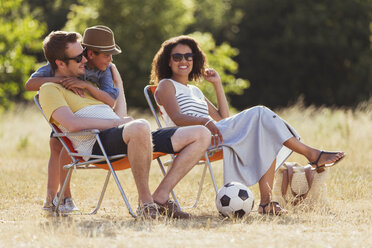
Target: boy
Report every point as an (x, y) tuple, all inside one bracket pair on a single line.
[(99, 46)]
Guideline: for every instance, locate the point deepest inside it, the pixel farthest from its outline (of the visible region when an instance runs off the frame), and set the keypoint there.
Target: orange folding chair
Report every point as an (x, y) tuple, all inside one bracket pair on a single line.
[(109, 163), (211, 155)]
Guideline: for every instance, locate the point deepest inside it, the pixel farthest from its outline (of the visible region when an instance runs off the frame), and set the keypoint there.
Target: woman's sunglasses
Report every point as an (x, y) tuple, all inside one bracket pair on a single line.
[(177, 57), (78, 58)]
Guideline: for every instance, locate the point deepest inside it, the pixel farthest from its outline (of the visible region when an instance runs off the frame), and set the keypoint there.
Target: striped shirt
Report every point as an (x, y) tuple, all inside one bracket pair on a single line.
[(190, 100)]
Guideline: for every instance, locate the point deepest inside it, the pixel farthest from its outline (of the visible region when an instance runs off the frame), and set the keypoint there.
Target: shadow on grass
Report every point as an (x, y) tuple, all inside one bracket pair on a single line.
[(112, 226)]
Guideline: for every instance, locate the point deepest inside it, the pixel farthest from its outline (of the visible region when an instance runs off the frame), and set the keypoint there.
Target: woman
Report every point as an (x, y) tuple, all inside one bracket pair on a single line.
[(255, 141)]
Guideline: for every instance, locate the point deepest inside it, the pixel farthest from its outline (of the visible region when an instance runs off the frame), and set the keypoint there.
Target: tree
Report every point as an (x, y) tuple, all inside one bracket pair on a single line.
[(140, 27), (53, 13), (219, 17), (318, 49), (220, 58), (19, 36)]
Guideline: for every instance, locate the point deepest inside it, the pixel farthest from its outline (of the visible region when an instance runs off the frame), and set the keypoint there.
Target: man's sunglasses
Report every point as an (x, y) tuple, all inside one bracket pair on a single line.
[(177, 57), (78, 58)]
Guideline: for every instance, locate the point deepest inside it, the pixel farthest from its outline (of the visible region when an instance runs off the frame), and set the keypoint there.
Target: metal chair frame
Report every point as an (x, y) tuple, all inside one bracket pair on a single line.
[(212, 154), (96, 162)]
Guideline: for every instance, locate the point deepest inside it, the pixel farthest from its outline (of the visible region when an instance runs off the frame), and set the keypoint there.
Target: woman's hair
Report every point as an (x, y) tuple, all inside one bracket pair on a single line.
[(160, 64)]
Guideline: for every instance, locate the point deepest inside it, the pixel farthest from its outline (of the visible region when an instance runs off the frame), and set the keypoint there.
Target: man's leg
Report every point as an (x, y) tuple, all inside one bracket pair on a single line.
[(137, 136), (64, 159), (191, 142), (53, 170)]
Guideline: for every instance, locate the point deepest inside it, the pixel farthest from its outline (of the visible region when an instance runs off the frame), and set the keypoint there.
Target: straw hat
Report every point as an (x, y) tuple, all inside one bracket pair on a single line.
[(101, 39)]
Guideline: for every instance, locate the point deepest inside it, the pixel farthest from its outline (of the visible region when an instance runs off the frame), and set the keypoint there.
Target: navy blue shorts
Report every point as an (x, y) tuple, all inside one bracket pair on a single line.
[(112, 140)]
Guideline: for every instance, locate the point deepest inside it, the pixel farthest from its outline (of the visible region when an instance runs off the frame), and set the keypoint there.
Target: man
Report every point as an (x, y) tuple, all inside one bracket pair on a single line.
[(100, 46), (119, 135)]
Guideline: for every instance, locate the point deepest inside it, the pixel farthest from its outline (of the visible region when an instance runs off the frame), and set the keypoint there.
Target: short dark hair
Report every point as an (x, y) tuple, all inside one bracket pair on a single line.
[(160, 64), (55, 45)]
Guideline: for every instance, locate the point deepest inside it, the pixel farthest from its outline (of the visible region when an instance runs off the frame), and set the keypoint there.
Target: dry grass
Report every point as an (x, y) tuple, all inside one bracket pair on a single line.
[(345, 222)]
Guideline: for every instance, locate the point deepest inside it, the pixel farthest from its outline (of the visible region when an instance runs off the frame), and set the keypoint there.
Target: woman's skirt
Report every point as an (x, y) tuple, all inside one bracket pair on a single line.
[(253, 139)]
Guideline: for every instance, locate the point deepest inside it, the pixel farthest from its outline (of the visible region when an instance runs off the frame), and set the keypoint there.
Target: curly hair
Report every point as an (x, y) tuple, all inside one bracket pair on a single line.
[(160, 64)]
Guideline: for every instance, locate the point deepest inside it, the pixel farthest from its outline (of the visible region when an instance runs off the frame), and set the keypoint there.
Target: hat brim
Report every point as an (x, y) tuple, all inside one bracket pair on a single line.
[(113, 51)]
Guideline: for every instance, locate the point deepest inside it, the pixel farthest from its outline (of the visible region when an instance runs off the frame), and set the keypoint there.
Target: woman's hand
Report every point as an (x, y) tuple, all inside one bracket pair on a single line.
[(216, 134), (212, 76)]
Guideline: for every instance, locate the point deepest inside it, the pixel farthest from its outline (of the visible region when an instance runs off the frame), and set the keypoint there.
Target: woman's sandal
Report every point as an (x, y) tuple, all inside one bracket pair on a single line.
[(321, 168), (274, 208)]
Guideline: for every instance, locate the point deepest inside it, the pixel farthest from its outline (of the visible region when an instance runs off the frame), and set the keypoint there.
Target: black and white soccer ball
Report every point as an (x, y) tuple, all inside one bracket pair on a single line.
[(234, 200)]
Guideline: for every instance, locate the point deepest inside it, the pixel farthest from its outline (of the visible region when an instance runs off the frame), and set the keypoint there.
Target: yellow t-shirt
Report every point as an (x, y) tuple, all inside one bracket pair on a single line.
[(53, 96)]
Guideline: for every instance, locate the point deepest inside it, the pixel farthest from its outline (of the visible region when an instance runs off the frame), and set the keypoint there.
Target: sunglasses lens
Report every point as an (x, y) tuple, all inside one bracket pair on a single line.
[(177, 57), (188, 56), (79, 58)]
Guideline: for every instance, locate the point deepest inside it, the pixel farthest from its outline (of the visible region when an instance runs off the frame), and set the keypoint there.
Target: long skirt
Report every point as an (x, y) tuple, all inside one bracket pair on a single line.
[(253, 139)]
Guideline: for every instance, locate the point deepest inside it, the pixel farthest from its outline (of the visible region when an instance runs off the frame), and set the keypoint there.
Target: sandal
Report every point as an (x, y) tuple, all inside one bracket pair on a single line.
[(274, 208), (321, 168)]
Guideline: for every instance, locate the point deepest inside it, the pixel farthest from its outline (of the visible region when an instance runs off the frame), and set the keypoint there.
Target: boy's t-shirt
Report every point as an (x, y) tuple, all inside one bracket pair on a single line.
[(103, 79)]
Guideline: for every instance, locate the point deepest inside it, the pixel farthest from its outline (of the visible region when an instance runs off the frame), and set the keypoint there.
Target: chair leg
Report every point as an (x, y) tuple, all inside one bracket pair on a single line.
[(206, 164), (211, 173), (115, 177), (122, 192), (200, 187), (102, 193)]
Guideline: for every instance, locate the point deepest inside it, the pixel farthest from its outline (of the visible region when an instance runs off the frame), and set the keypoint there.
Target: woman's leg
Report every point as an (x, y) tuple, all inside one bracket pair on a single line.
[(311, 153), (266, 184)]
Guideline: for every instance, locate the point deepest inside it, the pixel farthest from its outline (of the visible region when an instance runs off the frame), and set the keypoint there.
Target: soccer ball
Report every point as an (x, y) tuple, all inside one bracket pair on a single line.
[(234, 200)]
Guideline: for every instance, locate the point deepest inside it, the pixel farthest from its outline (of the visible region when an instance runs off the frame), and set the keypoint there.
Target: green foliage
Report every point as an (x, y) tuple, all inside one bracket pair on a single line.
[(220, 58), (318, 49), (19, 34), (140, 27), (219, 17), (54, 13)]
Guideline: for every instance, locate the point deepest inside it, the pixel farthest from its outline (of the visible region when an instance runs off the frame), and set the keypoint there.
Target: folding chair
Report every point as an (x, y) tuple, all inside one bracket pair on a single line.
[(109, 163), (211, 155)]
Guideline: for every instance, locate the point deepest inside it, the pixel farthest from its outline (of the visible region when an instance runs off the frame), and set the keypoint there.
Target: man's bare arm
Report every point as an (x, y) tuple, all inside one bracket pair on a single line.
[(73, 123)]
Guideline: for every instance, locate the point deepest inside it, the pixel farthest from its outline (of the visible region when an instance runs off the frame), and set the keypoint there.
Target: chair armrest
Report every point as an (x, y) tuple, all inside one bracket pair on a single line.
[(80, 133)]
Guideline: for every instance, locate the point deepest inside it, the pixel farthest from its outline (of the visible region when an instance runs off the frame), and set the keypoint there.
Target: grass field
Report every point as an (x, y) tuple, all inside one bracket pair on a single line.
[(345, 222)]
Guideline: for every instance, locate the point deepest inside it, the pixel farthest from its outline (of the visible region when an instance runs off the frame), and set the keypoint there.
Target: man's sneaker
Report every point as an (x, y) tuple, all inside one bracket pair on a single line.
[(67, 205), (170, 209), (55, 201), (49, 206), (148, 211)]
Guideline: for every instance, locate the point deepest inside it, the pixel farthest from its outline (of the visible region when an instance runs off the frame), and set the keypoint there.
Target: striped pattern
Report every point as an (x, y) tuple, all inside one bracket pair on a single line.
[(192, 106), (190, 100)]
